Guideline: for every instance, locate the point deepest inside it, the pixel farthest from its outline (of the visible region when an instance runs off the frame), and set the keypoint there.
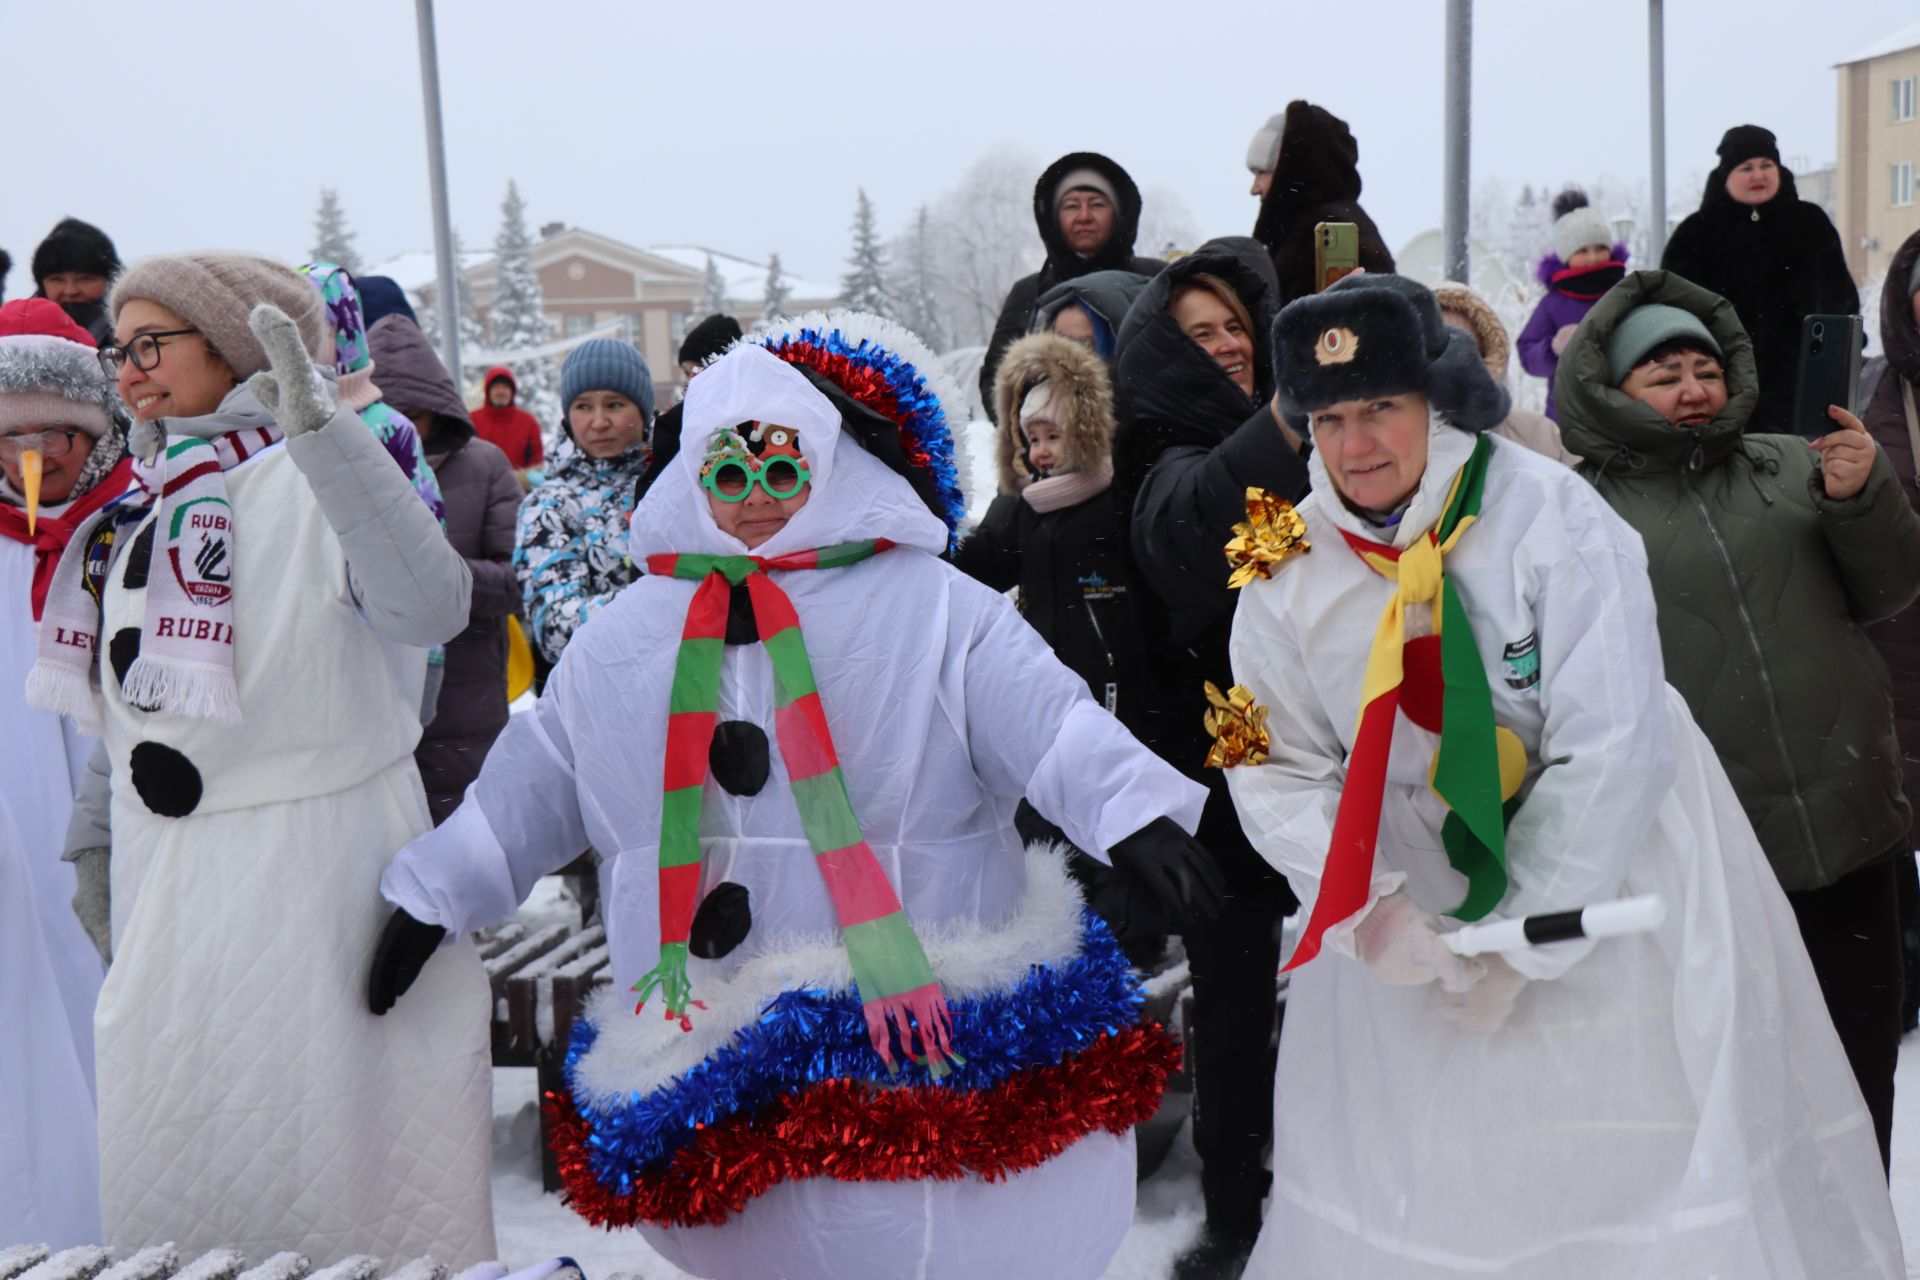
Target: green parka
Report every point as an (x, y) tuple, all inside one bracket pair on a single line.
[(1763, 586)]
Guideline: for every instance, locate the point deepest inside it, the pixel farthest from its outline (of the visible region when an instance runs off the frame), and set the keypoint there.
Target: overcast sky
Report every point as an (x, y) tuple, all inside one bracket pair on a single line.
[(178, 124)]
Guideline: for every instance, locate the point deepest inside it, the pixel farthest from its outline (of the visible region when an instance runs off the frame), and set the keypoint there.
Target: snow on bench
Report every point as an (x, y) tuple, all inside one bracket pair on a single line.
[(162, 1262)]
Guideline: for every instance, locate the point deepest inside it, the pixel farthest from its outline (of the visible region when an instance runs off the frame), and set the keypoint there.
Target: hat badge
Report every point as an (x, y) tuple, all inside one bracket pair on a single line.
[(1338, 345)]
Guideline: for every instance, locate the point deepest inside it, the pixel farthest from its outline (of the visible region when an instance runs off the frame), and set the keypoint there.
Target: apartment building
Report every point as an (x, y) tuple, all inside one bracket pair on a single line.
[(1877, 192)]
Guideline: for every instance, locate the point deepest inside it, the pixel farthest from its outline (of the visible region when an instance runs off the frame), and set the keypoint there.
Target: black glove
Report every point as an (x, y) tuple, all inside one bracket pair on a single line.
[(404, 948), (1175, 866)]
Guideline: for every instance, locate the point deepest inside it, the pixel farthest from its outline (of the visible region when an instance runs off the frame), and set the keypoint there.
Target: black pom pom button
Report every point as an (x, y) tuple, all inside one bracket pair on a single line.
[(738, 758), (166, 781)]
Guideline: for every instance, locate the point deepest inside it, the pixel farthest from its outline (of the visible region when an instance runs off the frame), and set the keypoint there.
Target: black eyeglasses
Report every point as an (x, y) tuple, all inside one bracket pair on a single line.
[(144, 351), (50, 442)]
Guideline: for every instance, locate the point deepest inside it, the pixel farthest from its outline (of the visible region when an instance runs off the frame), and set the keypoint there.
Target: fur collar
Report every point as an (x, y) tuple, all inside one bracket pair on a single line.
[(970, 958)]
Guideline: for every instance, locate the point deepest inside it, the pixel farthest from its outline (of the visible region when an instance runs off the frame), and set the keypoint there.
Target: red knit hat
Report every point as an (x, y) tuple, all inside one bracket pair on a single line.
[(50, 373)]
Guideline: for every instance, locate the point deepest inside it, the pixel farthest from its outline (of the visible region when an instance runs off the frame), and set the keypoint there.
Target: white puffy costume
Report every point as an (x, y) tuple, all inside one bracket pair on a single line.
[(247, 1096), (1668, 1104), (945, 709)]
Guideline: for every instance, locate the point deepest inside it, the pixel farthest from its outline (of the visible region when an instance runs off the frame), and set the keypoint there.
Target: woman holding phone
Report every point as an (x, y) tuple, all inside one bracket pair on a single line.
[(1769, 555)]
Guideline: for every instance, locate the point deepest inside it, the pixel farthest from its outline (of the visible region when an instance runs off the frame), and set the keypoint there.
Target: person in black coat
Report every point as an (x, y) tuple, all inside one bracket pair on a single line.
[(1197, 429), (1315, 178), (1055, 532), (1104, 196), (1774, 256), (75, 266)]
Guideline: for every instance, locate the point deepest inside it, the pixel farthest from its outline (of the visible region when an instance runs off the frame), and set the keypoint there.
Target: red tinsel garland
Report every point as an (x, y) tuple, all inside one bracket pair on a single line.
[(868, 386), (856, 1132)]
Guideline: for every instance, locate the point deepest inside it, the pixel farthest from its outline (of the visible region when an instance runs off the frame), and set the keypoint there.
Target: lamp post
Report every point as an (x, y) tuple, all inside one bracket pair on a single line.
[(1459, 118), (444, 266), (1657, 127)]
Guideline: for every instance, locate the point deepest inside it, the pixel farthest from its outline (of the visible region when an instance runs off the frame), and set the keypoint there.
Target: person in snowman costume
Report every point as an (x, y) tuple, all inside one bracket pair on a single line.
[(857, 1029), (1469, 721)]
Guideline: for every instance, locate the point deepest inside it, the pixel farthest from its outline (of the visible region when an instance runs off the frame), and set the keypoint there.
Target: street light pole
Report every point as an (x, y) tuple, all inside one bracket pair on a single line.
[(449, 299), (1459, 117), (1657, 123)]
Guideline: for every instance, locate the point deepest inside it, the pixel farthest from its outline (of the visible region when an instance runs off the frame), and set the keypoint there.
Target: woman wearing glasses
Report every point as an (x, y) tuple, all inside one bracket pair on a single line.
[(62, 457), (253, 655), (571, 551)]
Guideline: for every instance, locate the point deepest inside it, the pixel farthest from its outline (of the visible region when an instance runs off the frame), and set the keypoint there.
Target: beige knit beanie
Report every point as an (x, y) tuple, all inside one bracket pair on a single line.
[(215, 291)]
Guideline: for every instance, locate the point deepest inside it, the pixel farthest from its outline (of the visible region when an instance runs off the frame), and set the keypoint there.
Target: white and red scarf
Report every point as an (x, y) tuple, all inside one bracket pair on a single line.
[(185, 665)]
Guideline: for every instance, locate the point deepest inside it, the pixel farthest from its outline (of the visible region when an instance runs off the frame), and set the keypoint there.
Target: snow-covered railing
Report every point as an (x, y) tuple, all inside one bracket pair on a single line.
[(163, 1262)]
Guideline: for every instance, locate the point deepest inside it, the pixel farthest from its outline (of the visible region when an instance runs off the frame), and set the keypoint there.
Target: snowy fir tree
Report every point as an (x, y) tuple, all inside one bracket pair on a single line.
[(473, 334), (713, 291), (779, 289), (864, 287), (914, 284), (332, 242), (518, 320)]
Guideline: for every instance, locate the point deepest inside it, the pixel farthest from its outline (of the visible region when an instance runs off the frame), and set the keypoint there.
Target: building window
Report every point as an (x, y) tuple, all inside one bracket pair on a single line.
[(578, 324), (678, 323), (1904, 93), (1903, 183)]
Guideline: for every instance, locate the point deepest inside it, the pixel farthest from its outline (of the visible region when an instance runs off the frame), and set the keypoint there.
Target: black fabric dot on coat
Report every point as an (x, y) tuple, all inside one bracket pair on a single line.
[(738, 758), (139, 558), (122, 650), (740, 625), (168, 783), (722, 923)]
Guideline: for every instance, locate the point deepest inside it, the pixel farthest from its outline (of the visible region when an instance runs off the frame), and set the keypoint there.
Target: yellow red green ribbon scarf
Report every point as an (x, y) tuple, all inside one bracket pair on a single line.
[(890, 968), (1478, 766)]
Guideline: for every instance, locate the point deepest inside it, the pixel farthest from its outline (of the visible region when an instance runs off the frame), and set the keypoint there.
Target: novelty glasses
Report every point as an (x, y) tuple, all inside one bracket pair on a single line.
[(732, 479)]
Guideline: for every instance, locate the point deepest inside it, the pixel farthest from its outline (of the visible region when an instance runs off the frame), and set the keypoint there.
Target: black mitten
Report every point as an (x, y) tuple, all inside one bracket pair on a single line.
[(721, 923), (404, 948), (1175, 866)]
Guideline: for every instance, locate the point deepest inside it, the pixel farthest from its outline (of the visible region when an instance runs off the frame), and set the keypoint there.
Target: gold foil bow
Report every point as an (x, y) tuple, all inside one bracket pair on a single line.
[(1238, 726), (1272, 531)]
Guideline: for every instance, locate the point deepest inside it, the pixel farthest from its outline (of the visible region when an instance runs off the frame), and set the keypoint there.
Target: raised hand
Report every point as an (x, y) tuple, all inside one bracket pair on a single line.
[(1846, 455), (292, 390)]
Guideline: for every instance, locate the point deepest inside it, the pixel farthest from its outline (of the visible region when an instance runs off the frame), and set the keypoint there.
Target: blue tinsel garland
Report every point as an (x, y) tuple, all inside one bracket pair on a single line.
[(806, 1036)]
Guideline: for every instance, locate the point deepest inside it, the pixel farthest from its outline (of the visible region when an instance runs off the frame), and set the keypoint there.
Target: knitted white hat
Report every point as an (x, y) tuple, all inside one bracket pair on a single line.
[(1579, 226)]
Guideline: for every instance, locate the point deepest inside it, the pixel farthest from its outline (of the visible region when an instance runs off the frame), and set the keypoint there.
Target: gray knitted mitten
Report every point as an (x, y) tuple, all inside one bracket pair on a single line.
[(90, 899), (292, 390)]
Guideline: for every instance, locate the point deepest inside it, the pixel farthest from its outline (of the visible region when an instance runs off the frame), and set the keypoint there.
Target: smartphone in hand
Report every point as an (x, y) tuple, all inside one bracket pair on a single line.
[(1829, 373), (1336, 252)]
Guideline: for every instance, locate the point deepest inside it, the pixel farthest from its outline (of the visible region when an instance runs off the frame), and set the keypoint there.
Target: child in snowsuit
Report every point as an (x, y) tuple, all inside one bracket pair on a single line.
[(1584, 264), (1055, 533), (875, 1035)]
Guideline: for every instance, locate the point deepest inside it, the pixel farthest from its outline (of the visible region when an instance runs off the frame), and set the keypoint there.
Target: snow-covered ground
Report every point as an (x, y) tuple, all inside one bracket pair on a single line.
[(533, 1226)]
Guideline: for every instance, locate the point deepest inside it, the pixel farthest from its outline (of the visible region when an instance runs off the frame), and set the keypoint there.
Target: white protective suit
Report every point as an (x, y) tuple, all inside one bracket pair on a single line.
[(1670, 1104), (945, 707), (49, 1157), (247, 1096)]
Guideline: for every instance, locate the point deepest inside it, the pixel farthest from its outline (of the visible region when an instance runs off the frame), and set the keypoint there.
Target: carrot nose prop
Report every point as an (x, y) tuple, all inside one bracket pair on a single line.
[(30, 462)]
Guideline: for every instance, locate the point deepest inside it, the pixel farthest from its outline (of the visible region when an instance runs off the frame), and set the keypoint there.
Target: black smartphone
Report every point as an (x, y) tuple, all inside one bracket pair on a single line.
[(1829, 373)]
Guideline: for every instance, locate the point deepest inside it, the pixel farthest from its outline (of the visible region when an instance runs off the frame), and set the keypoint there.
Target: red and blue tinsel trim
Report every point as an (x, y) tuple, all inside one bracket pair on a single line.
[(1045, 1063), (889, 384)]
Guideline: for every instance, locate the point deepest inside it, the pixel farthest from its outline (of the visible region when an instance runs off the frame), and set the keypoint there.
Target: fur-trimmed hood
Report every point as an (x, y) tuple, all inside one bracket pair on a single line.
[(1496, 348), (1082, 404), (1118, 250)]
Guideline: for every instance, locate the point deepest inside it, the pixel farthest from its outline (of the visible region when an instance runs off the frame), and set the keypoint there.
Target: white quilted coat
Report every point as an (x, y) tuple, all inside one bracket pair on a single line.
[(1672, 1104), (247, 1096)]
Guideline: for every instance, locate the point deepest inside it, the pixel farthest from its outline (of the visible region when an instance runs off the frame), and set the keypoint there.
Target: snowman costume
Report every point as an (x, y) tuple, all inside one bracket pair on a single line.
[(247, 1097), (753, 1128), (1673, 1103)]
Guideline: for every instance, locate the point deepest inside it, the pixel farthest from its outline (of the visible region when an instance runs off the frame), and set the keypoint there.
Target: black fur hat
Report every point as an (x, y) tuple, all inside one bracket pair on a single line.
[(74, 245), (1381, 335)]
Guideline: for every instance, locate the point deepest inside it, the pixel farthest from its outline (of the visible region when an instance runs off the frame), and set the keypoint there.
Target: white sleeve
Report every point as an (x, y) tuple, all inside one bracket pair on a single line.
[(1607, 746), (1035, 731), (1287, 802), (520, 820)]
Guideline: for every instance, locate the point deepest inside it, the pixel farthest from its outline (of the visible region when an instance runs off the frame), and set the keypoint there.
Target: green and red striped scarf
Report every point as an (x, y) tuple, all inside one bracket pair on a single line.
[(890, 967), (1441, 684)]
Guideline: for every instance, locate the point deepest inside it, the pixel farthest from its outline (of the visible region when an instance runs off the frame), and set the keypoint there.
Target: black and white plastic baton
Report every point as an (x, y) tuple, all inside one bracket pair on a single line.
[(1601, 920)]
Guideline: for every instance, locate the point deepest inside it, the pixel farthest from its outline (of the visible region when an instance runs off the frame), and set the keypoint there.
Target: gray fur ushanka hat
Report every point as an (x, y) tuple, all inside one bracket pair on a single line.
[(1380, 335)]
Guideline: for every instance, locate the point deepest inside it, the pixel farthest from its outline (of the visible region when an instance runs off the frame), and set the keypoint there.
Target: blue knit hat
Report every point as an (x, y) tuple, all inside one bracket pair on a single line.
[(607, 364)]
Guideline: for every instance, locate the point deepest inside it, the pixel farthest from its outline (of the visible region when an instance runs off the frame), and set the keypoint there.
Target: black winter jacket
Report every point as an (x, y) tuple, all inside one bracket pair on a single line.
[(1189, 445), (1063, 264), (1777, 263), (1316, 179)]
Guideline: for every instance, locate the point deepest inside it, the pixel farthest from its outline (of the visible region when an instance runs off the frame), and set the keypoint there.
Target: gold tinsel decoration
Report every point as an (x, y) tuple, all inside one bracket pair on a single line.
[(1238, 726), (1272, 531)]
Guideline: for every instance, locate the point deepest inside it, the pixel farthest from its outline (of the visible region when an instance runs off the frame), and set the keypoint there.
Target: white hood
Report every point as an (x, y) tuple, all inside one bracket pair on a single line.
[(853, 495)]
